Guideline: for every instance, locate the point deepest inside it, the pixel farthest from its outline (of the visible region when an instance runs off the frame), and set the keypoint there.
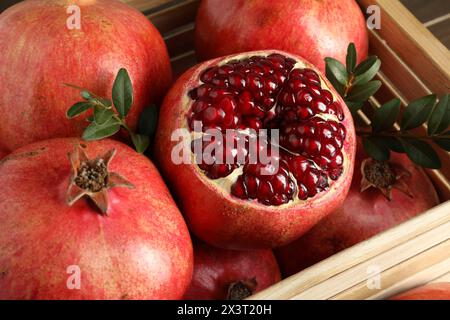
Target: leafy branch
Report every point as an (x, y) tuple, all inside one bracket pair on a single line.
[(354, 83), (108, 116)]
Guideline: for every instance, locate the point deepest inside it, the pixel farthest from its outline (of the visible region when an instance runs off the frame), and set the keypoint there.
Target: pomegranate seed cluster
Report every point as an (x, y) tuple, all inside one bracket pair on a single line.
[(270, 93)]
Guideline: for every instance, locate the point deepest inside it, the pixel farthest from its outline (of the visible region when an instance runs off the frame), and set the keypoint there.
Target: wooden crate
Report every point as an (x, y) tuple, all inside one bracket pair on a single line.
[(415, 63)]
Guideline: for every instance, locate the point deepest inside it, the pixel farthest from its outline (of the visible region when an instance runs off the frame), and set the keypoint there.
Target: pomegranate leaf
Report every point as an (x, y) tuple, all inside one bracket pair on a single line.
[(122, 93), (367, 75), (351, 58), (444, 143), (361, 93), (99, 131), (385, 116), (354, 106), (338, 70), (376, 148), (101, 115), (417, 112), (394, 143), (148, 121), (421, 153), (366, 65), (440, 117), (141, 142), (78, 108)]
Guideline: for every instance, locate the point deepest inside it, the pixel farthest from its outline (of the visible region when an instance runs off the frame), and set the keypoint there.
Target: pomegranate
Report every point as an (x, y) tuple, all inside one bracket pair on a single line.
[(310, 28), (97, 227), (42, 49), (3, 154), (382, 195), (432, 291), (243, 202), (221, 274)]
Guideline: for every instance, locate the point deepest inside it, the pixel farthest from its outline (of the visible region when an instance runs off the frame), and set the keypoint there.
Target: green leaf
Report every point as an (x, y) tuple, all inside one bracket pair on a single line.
[(90, 118), (369, 74), (101, 115), (351, 58), (444, 143), (421, 153), (376, 148), (361, 93), (440, 117), (78, 108), (364, 66), (386, 115), (354, 106), (338, 70), (148, 121), (96, 131), (122, 93), (417, 112), (339, 87), (395, 144), (141, 142)]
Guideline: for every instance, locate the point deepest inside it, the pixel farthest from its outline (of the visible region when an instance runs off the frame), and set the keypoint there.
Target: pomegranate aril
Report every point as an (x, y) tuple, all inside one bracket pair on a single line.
[(225, 69), (220, 81), (208, 75), (237, 80), (239, 190)]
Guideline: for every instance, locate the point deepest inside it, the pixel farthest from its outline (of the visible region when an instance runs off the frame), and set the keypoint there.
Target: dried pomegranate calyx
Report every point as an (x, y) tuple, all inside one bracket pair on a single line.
[(91, 178), (384, 176), (240, 290)]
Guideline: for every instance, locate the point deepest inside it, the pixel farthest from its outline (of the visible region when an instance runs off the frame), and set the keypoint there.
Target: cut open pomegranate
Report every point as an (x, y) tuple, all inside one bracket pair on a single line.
[(242, 201)]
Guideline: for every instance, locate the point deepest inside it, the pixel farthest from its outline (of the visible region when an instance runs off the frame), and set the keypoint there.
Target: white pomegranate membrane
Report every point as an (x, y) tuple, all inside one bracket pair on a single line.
[(258, 93)]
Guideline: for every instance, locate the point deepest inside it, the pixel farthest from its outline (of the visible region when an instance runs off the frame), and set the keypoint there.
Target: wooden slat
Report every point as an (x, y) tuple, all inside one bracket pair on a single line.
[(405, 80), (183, 62), (359, 254), (181, 40), (429, 262), (146, 5), (426, 10), (442, 31), (416, 45), (175, 16), (437, 272)]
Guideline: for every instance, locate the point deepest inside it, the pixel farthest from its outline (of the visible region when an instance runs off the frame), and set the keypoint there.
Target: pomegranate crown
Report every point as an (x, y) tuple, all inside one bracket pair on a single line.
[(91, 178)]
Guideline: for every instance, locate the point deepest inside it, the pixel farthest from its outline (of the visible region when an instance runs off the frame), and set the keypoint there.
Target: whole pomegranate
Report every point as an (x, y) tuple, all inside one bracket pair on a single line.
[(432, 291), (243, 194), (42, 48), (312, 29), (3, 154), (221, 274), (100, 226), (382, 195)]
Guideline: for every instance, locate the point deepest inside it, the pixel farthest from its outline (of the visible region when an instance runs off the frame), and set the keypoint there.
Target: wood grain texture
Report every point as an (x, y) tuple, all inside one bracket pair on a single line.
[(426, 10), (348, 268)]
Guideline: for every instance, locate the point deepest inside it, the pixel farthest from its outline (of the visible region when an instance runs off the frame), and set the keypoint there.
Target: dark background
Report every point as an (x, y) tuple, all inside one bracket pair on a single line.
[(434, 14)]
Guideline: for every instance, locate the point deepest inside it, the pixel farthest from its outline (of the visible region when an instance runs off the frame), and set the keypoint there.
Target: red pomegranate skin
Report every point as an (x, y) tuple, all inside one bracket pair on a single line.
[(362, 216), (3, 154), (215, 269), (40, 54), (212, 214), (432, 291), (312, 29), (142, 250)]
